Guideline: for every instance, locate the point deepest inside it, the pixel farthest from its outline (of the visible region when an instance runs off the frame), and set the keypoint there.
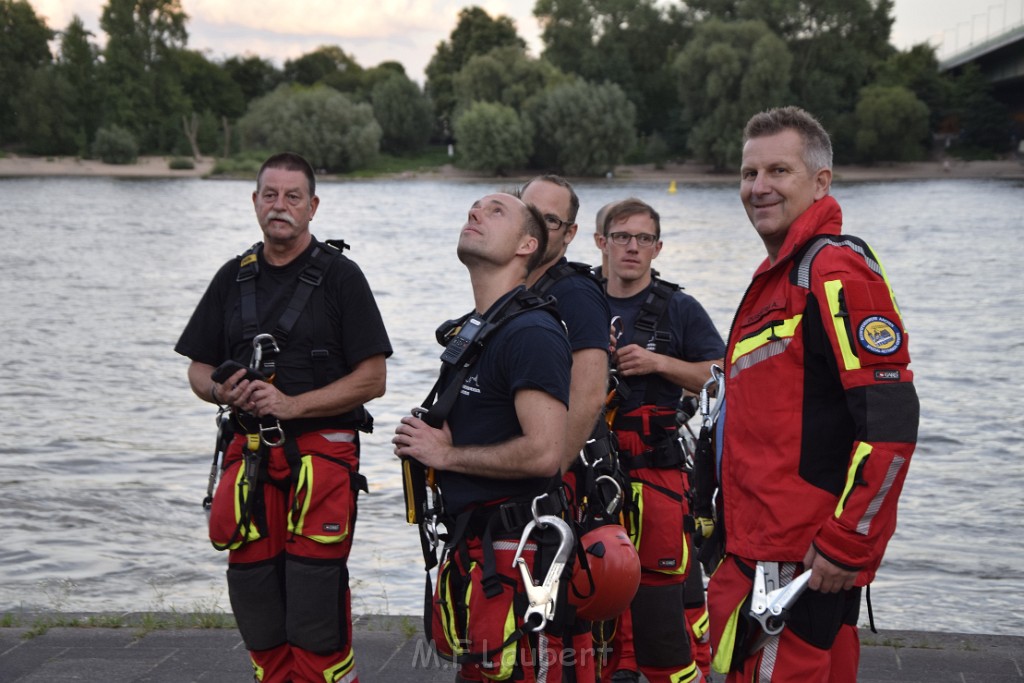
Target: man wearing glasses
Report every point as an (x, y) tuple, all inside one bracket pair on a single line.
[(665, 342), (584, 310)]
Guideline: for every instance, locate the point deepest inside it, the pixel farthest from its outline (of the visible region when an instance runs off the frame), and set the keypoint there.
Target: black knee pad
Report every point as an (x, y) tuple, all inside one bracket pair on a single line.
[(257, 601), (660, 635), (316, 603)]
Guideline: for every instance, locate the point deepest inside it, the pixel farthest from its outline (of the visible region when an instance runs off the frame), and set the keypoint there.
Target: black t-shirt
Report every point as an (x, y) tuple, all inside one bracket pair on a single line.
[(692, 337), (530, 351), (340, 318), (583, 308)]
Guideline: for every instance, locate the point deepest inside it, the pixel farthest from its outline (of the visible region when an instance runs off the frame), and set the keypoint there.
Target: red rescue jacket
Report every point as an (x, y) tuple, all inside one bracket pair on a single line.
[(821, 413)]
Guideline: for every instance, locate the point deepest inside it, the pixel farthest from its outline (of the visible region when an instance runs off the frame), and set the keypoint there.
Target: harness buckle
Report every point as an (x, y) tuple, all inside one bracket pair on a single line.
[(267, 432)]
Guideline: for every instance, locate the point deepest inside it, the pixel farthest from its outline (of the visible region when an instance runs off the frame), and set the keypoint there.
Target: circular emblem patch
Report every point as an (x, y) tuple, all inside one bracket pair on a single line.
[(879, 335)]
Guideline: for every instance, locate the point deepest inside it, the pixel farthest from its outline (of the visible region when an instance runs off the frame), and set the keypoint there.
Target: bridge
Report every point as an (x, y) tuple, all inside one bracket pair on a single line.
[(1000, 59)]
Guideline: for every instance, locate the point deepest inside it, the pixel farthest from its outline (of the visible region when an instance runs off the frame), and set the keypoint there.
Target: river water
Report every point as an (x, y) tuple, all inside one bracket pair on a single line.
[(106, 451)]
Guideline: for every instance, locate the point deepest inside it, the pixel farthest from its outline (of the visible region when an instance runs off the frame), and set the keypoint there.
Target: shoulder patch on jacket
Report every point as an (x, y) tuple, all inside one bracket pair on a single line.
[(879, 335)]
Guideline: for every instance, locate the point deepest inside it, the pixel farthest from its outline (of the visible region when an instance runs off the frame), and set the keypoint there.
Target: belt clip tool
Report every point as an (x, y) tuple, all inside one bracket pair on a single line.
[(273, 435), (543, 598), (769, 604)]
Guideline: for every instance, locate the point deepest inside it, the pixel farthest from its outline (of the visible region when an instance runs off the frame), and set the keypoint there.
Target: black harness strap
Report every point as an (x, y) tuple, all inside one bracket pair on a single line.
[(560, 271), (650, 331)]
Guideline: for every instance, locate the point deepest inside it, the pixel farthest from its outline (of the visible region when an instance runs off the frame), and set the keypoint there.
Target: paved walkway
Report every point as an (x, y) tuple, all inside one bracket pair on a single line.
[(391, 650)]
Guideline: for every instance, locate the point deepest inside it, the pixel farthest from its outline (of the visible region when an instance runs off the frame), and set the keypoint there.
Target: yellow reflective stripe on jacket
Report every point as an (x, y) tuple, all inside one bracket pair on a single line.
[(769, 342), (833, 288), (861, 454), (725, 647)]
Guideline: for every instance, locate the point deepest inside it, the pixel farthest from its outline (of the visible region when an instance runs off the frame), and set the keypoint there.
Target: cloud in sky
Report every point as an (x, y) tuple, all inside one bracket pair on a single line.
[(373, 31), (408, 31)]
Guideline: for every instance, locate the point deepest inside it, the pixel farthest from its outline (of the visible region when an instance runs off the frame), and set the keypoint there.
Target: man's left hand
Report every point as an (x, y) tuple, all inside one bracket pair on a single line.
[(825, 576)]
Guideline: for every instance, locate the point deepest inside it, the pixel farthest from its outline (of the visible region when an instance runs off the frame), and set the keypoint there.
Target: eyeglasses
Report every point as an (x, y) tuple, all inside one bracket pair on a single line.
[(554, 222), (643, 239)]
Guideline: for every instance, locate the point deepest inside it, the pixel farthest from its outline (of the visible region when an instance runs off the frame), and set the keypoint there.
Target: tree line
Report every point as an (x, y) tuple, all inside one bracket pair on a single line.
[(617, 81)]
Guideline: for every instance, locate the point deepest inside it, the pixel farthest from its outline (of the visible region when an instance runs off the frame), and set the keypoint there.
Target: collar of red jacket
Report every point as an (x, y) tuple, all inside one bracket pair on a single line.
[(823, 217)]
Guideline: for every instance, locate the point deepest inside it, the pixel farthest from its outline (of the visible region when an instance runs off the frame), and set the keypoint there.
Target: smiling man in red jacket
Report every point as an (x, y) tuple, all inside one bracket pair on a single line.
[(820, 417)]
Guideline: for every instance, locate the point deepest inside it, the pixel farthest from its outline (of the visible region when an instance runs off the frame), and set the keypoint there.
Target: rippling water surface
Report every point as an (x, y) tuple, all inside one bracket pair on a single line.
[(106, 451)]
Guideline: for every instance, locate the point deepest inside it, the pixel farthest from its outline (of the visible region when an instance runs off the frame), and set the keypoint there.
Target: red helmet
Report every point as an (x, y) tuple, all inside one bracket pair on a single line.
[(605, 584)]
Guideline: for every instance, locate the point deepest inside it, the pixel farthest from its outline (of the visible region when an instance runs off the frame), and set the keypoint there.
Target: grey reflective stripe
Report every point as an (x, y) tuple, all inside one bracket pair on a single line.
[(339, 437), (529, 546), (864, 526), (803, 269), (759, 354)]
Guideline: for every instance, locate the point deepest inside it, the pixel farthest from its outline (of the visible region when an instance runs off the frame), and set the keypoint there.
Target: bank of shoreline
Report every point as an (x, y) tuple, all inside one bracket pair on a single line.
[(689, 173)]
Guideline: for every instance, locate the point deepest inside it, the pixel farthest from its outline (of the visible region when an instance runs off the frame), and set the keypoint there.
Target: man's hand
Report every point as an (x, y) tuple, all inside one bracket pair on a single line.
[(825, 576), (636, 360), (414, 438)]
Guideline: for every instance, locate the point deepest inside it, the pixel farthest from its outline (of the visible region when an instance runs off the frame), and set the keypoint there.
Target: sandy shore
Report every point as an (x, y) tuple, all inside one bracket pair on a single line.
[(157, 167)]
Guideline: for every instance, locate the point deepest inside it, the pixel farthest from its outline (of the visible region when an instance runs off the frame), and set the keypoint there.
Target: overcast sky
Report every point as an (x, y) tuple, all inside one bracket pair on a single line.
[(408, 31)]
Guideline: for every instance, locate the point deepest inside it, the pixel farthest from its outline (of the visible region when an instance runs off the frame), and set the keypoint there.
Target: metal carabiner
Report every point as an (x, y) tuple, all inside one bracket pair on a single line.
[(543, 598), (257, 349), (615, 503), (709, 413)]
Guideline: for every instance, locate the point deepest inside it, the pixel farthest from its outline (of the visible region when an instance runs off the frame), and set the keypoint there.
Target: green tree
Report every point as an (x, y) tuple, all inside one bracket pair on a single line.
[(627, 42), (405, 115), (728, 72), (46, 123), (984, 122), (917, 69), (24, 48), (78, 64), (214, 101), (476, 33), (328, 64), (837, 47), (254, 75), (492, 138), (583, 128), (506, 75), (144, 94), (892, 124), (319, 123)]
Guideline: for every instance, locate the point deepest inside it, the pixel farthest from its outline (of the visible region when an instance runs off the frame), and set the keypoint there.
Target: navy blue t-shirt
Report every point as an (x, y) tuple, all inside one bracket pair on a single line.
[(530, 351), (583, 308), (692, 337)]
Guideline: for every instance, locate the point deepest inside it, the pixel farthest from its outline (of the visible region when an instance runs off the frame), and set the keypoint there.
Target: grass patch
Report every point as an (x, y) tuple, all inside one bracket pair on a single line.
[(387, 164)]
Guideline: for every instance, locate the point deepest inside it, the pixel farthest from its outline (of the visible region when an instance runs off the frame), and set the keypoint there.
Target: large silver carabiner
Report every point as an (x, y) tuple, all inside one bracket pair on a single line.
[(709, 413), (543, 598)]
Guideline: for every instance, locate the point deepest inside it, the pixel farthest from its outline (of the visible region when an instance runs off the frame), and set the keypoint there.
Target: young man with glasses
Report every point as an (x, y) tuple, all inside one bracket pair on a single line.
[(665, 342)]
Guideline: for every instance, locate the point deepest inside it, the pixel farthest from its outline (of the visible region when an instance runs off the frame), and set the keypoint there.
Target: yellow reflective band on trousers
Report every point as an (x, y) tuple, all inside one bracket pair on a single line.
[(636, 533), (700, 627), (249, 531), (685, 675), (508, 655), (723, 653), (444, 595), (833, 288), (305, 485), (257, 670), (342, 672), (862, 452)]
